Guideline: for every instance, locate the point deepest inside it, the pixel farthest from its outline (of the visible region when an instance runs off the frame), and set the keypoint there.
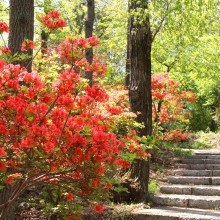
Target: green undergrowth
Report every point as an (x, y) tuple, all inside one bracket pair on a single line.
[(153, 187), (201, 140)]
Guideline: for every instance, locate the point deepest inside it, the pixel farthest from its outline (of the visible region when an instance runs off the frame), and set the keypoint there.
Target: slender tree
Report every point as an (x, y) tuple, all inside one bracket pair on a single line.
[(140, 97), (88, 33), (44, 35), (21, 26)]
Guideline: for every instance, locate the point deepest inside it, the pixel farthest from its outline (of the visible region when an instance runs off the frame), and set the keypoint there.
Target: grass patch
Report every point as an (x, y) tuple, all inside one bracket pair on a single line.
[(153, 187), (202, 140), (178, 152)]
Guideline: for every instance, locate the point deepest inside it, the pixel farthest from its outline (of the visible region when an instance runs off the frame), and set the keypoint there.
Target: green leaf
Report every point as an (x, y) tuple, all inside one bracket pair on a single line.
[(120, 189), (39, 153), (24, 88), (30, 118)]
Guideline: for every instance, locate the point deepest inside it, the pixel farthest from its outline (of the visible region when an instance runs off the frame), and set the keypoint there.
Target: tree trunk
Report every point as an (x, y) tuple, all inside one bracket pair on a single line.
[(21, 26), (4, 196), (88, 33), (44, 34), (140, 96), (128, 61), (44, 39)]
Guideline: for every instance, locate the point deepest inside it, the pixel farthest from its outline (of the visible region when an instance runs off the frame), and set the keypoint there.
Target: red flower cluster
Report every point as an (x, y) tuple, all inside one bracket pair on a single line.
[(58, 129), (169, 103), (176, 135), (98, 208), (3, 27), (12, 178), (52, 21), (72, 50), (69, 196), (5, 50), (2, 63), (26, 45)]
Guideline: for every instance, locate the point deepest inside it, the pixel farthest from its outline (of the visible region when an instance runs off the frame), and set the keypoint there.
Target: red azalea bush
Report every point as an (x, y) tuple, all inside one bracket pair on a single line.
[(169, 108), (61, 133)]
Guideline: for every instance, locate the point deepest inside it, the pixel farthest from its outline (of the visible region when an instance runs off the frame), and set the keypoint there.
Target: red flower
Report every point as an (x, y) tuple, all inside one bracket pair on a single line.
[(95, 183), (12, 177), (98, 208), (52, 20), (27, 143), (93, 41), (69, 196), (5, 50), (2, 152), (54, 14), (96, 93), (2, 63), (3, 27), (108, 185), (26, 45), (114, 109), (122, 163), (2, 166), (49, 147)]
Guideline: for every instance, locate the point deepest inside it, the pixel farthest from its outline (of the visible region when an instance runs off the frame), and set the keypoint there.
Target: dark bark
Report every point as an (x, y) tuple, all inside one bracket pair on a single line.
[(44, 34), (128, 60), (21, 26), (140, 96), (88, 33), (4, 195), (44, 39), (157, 111)]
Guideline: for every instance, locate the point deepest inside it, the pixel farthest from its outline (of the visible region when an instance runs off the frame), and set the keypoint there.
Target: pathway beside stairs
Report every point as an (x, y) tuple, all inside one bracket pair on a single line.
[(193, 193)]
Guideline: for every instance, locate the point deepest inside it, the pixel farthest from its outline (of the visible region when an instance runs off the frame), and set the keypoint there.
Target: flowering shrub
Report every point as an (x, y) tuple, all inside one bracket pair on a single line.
[(52, 21), (169, 107), (3, 27), (5, 50), (61, 133), (27, 44)]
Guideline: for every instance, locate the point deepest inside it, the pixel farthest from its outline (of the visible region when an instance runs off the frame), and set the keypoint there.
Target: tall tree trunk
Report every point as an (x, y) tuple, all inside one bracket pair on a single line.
[(44, 34), (21, 26), (44, 38), (88, 33), (140, 96), (128, 60)]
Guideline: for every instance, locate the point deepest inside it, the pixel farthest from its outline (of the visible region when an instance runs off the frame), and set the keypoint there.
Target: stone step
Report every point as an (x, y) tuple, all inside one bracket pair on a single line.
[(198, 161), (191, 190), (199, 166), (175, 213), (190, 201), (194, 180), (196, 172), (206, 152), (215, 157)]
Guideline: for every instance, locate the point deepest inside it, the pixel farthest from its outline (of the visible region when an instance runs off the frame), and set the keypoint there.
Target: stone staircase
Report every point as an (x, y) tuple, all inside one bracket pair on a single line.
[(193, 193)]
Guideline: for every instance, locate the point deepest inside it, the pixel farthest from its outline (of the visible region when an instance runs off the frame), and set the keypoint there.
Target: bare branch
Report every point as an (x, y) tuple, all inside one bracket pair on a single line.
[(161, 22)]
